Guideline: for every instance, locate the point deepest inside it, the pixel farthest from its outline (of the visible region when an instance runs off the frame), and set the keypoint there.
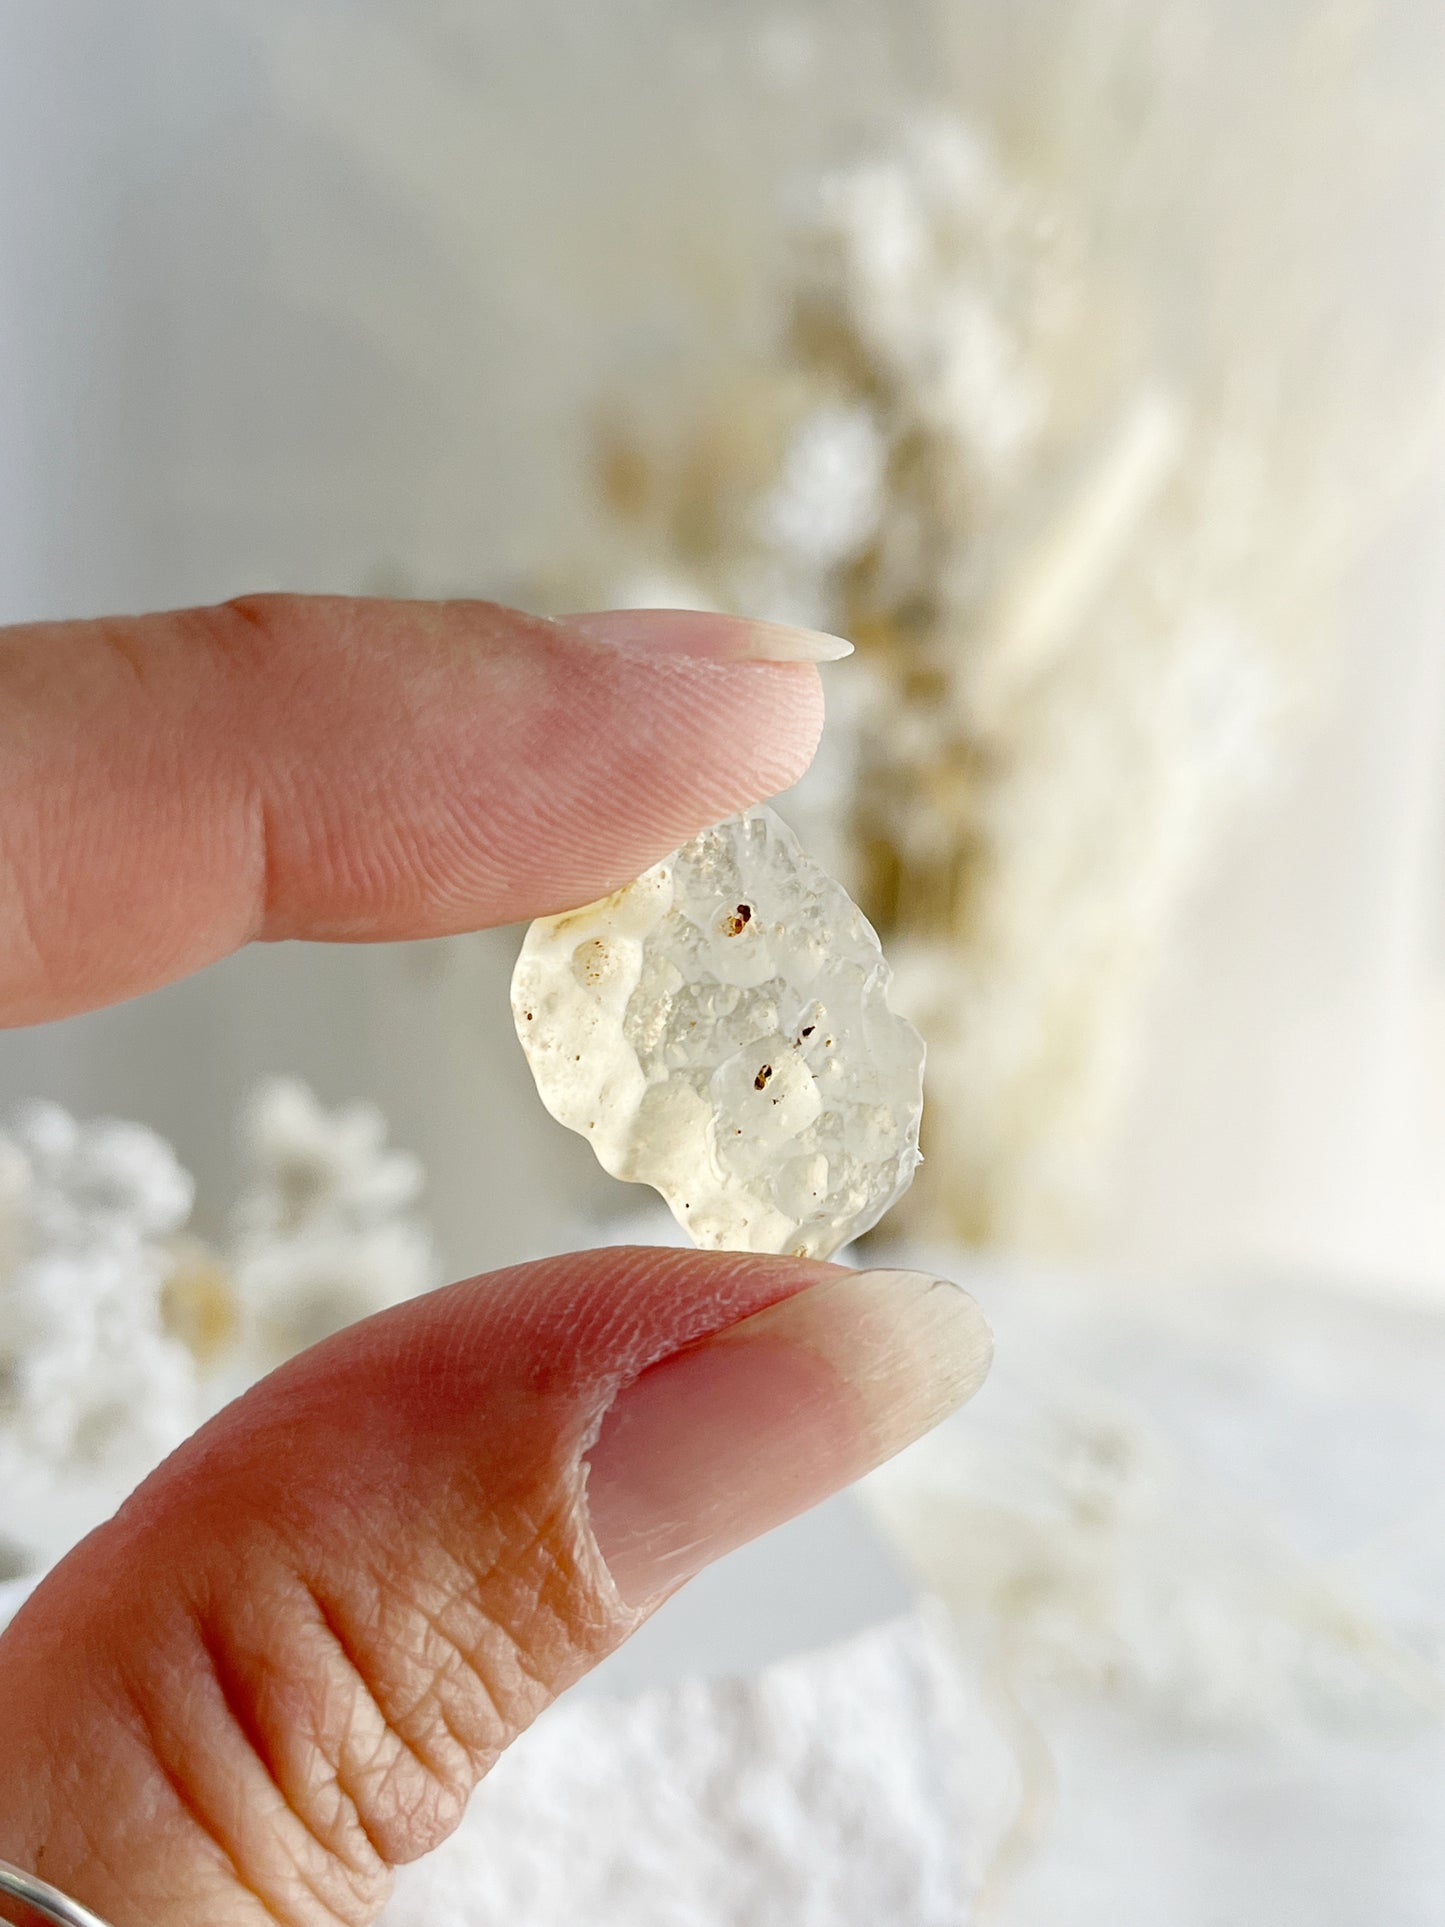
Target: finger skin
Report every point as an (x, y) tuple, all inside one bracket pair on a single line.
[(282, 1668), (175, 786)]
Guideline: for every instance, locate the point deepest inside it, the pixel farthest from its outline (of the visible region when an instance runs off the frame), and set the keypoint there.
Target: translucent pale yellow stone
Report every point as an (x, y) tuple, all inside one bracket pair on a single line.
[(720, 1030)]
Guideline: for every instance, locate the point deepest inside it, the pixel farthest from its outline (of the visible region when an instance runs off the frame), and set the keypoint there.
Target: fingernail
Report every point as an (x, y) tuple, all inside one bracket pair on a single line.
[(689, 632), (745, 1429)]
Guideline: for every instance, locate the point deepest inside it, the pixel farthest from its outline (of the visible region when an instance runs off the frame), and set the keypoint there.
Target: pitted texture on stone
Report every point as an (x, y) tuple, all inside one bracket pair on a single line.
[(720, 1030)]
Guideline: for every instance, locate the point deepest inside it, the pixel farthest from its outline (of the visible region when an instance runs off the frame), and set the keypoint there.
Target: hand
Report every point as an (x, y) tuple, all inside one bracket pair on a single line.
[(281, 1669)]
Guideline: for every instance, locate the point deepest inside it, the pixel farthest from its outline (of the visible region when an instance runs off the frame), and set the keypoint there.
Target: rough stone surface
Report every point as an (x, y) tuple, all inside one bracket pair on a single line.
[(720, 1029)]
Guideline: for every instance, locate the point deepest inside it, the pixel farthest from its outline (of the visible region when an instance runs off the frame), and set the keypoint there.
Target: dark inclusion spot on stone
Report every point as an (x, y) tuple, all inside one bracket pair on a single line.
[(761, 1080)]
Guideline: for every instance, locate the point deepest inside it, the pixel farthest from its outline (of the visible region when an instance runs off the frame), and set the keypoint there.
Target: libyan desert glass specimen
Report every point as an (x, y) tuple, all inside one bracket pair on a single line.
[(720, 1030)]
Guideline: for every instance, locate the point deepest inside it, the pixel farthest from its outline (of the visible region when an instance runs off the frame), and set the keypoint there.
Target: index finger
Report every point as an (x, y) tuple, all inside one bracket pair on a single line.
[(175, 786)]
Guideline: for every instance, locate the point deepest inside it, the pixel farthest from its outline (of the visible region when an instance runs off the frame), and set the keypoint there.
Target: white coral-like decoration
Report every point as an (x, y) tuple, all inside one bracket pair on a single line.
[(94, 1390), (324, 1233), (119, 1331)]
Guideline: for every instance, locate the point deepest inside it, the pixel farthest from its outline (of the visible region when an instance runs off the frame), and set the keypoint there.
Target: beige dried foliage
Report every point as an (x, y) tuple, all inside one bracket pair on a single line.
[(1078, 420)]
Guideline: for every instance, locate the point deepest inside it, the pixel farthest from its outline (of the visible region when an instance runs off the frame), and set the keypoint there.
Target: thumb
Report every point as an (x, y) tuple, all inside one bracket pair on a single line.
[(281, 1669)]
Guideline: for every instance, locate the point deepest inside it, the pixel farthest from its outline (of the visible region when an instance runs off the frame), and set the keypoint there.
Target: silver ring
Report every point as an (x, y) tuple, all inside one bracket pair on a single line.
[(45, 1899)]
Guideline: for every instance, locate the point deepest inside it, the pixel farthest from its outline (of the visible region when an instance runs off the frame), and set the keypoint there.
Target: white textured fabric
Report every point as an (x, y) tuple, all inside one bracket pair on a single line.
[(1193, 1541), (825, 1792)]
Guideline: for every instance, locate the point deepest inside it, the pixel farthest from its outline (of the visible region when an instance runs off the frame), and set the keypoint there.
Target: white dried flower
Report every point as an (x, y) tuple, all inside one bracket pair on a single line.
[(96, 1288), (93, 1389), (323, 1233), (828, 499)]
